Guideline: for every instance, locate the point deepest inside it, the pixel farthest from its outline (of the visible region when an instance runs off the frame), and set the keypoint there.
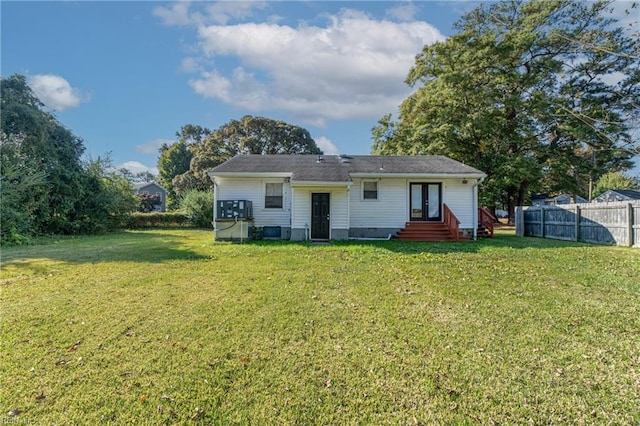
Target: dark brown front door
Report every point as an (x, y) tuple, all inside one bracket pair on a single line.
[(320, 216), (424, 202)]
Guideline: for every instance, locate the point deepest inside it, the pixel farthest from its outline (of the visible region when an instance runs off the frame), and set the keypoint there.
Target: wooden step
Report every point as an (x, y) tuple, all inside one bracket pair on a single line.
[(482, 231), (426, 231)]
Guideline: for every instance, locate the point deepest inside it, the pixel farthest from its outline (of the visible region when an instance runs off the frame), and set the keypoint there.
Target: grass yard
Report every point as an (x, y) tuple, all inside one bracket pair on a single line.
[(168, 327)]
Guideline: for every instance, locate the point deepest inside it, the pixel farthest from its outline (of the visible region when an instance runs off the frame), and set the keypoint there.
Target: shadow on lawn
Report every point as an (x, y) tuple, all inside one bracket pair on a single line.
[(411, 247), (148, 247)]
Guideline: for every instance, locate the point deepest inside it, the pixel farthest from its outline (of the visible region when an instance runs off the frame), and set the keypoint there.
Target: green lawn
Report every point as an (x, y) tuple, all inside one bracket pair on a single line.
[(168, 327)]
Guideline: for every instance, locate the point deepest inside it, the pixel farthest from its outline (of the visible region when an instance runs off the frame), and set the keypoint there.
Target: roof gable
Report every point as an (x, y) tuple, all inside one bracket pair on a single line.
[(145, 185), (618, 195)]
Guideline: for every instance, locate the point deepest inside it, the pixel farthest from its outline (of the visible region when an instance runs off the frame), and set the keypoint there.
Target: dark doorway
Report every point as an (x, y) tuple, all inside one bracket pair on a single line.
[(425, 202), (320, 216)]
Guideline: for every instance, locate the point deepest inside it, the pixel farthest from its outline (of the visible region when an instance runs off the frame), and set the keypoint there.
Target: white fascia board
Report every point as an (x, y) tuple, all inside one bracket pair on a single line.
[(319, 183), (419, 176), (251, 174)]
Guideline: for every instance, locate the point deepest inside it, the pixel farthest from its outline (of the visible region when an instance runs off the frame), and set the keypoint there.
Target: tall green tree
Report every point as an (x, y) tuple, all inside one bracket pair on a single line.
[(175, 159), (249, 135), (526, 91), (20, 182), (51, 149), (46, 187)]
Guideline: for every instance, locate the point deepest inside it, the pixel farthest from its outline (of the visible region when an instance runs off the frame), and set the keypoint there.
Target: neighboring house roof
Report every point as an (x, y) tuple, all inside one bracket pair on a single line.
[(632, 194), (140, 186), (333, 168), (618, 195), (538, 199)]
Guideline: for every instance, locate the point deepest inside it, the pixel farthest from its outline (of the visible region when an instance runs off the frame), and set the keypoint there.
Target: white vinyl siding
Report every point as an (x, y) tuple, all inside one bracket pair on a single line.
[(339, 209), (390, 210), (301, 208), (459, 198), (339, 216), (254, 190)]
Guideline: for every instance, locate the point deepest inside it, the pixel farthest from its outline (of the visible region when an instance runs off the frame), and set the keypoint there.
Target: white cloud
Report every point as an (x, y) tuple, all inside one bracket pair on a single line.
[(152, 147), (190, 65), (137, 167), (220, 12), (56, 92), (403, 12), (326, 146), (212, 85), (178, 14), (353, 68)]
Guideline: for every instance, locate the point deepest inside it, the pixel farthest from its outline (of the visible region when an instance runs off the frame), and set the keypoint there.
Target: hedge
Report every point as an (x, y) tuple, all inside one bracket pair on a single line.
[(159, 220)]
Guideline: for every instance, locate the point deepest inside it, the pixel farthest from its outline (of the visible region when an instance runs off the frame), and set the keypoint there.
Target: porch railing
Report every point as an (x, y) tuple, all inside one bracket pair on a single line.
[(451, 221), (486, 219)]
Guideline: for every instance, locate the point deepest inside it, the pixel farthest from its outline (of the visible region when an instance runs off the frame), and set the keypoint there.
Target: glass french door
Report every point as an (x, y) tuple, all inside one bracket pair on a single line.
[(425, 202)]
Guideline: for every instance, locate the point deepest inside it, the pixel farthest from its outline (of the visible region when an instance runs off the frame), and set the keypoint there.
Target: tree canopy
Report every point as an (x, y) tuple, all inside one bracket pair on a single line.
[(175, 159), (615, 180), (541, 95), (45, 185), (249, 135)]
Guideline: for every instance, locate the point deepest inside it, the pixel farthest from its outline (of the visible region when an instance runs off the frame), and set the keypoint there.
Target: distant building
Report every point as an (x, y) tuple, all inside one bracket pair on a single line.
[(545, 200), (153, 188), (613, 195)]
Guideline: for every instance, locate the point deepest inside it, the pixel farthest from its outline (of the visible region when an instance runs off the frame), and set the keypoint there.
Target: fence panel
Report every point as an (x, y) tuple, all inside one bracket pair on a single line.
[(600, 223), (635, 227)]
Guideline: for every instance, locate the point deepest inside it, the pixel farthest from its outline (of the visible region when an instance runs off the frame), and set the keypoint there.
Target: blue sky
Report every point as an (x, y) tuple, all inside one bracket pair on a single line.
[(125, 76)]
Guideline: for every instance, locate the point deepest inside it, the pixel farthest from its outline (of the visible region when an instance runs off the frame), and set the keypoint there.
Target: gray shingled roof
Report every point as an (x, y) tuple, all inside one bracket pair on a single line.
[(141, 185), (333, 168), (633, 194)]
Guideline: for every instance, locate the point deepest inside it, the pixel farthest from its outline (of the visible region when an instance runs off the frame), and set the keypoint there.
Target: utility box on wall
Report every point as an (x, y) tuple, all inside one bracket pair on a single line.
[(231, 230), (234, 209)]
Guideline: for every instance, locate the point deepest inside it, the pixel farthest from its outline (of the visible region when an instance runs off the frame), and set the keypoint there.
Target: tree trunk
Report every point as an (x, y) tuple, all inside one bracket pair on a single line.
[(522, 193)]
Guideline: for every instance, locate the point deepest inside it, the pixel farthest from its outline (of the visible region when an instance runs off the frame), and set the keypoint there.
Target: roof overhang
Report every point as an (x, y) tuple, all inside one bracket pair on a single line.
[(250, 174), (420, 175), (318, 183)]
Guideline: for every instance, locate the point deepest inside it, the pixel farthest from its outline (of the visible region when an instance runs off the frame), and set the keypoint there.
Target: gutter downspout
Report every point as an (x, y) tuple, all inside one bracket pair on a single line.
[(215, 200), (475, 209)]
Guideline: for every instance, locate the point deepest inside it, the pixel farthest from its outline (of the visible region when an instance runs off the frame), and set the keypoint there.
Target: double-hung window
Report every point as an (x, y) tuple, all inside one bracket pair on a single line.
[(273, 196), (370, 190)]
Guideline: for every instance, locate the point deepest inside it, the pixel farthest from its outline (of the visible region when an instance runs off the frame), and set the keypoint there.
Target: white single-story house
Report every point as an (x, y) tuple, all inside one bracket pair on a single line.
[(152, 188), (330, 197)]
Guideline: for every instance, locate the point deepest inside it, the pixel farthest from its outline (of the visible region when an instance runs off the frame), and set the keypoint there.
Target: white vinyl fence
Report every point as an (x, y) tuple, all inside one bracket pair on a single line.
[(600, 223)]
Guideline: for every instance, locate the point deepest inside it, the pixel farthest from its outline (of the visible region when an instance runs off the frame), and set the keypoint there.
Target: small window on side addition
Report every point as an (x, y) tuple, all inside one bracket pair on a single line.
[(273, 196), (370, 190)]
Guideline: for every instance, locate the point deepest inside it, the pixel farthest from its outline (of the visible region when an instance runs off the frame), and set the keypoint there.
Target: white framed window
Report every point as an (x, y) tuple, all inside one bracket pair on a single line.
[(273, 198), (370, 190)]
